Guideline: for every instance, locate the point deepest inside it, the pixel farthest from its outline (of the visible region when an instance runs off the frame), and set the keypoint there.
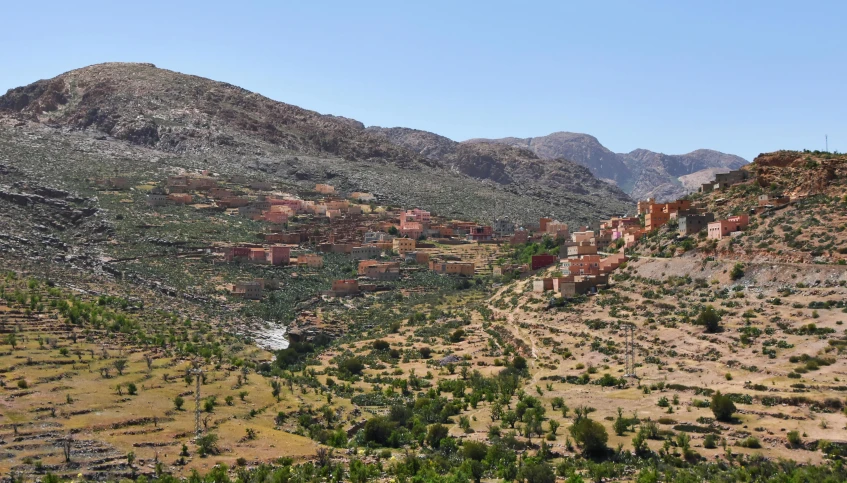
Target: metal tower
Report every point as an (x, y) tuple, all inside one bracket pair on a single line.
[(629, 340), (198, 376)]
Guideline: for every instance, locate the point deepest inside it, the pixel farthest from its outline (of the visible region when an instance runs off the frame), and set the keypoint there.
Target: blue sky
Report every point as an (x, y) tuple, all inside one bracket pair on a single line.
[(738, 76)]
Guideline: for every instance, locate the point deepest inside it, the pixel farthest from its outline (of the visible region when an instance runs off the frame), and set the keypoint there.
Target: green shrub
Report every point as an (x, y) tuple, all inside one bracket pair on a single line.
[(722, 407), (590, 435)]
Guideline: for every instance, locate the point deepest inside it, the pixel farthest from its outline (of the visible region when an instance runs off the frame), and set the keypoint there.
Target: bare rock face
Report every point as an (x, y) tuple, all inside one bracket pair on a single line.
[(579, 148), (640, 173), (801, 174)]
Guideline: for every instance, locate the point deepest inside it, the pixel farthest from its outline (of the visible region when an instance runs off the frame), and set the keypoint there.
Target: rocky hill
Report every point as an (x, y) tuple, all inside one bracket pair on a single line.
[(178, 120), (805, 229), (641, 173), (504, 164)]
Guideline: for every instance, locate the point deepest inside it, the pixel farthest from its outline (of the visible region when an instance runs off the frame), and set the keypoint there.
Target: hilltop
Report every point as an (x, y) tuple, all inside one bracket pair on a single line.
[(179, 120), (640, 173)]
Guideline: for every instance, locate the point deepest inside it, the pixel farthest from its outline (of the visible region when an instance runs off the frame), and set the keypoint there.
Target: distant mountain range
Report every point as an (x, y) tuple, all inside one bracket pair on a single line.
[(640, 173)]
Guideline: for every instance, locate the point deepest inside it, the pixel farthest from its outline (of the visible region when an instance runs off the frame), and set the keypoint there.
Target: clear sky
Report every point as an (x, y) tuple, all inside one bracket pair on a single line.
[(742, 77)]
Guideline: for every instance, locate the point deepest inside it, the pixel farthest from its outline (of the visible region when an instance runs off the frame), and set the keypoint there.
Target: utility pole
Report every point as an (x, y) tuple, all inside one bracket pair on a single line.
[(826, 137), (198, 376)]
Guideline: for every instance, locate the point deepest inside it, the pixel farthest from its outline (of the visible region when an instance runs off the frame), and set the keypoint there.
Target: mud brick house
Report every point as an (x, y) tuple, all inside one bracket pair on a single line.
[(543, 260), (520, 236), (295, 205), (612, 262), (365, 252), (695, 223), (503, 227), (542, 285), (480, 233), (177, 184), (579, 285), (325, 189), (452, 268), (602, 240), (342, 288), (403, 245), (421, 258), (180, 198), (279, 255), (582, 236), (630, 239), (415, 216), (376, 236), (578, 249), (157, 199), (412, 230), (289, 238), (501, 270), (584, 265), (723, 228), (275, 217), (220, 193), (201, 183), (379, 270), (247, 290), (235, 253), (773, 200), (310, 260), (725, 180)]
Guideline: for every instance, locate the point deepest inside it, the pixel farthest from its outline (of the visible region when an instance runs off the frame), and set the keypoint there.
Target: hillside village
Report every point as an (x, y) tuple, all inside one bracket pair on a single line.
[(386, 242)]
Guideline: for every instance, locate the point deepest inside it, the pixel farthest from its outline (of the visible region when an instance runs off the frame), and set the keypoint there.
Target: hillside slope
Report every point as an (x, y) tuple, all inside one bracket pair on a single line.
[(640, 173), (188, 121), (807, 229)]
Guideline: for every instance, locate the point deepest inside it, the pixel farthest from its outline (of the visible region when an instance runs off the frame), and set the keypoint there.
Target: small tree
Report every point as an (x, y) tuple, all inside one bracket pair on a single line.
[(130, 460), (591, 435), (554, 426), (710, 319), (537, 472), (276, 387), (207, 444), (178, 402), (722, 407), (435, 434), (120, 365), (737, 271)]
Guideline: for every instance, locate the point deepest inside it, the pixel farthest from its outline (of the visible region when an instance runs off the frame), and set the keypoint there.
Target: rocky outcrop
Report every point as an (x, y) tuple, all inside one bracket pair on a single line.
[(640, 173)]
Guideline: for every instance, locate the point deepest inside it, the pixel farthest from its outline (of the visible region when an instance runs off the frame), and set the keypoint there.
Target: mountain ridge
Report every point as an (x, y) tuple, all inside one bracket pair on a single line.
[(642, 173), (201, 122)]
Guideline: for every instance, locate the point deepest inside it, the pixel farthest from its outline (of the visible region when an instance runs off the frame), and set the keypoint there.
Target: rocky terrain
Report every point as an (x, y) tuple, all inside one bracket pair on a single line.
[(176, 120), (641, 173)]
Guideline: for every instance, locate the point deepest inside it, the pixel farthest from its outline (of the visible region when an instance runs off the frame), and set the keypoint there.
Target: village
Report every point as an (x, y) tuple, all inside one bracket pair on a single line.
[(387, 243)]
